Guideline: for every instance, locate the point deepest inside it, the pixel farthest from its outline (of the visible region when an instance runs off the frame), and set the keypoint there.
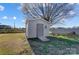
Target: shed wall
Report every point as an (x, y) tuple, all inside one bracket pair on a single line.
[(31, 28)]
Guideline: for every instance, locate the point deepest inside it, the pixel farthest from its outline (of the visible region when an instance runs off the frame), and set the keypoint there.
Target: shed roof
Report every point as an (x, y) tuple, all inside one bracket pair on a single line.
[(36, 19)]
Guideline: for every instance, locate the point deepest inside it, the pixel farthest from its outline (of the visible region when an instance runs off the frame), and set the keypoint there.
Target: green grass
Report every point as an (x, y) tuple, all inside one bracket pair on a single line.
[(14, 43), (67, 37), (58, 45)]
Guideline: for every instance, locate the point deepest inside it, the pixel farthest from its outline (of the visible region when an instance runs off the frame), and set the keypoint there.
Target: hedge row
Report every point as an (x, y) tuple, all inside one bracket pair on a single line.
[(11, 31)]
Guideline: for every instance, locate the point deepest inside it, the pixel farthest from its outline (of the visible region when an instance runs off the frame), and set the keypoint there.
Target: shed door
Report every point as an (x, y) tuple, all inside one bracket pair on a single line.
[(40, 30)]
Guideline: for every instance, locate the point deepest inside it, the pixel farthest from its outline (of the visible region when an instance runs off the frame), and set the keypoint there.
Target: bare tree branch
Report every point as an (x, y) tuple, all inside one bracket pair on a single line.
[(51, 12)]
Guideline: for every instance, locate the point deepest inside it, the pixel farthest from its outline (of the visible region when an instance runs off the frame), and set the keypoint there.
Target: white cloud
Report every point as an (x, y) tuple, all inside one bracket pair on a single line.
[(4, 17), (71, 3), (23, 21), (71, 12), (62, 20), (2, 8), (9, 17), (14, 17), (19, 7)]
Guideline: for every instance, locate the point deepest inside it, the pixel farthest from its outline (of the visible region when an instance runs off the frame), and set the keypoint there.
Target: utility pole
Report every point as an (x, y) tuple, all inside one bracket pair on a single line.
[(14, 21), (14, 24)]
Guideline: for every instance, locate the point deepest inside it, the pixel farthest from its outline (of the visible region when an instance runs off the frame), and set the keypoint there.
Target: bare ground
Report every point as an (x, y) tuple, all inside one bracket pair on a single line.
[(14, 43)]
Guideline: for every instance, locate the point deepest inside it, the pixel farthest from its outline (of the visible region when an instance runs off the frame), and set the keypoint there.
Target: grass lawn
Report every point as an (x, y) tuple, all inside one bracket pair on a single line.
[(69, 37), (14, 43), (56, 46)]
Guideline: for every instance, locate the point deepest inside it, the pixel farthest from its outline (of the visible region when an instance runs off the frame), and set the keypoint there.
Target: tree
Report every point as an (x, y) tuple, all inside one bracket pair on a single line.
[(51, 12)]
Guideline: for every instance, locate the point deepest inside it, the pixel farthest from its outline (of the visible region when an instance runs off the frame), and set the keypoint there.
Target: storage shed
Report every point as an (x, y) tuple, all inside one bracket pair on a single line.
[(37, 28)]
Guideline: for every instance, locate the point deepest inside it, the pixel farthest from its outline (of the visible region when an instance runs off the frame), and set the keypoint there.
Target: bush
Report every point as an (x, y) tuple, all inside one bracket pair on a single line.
[(13, 30)]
